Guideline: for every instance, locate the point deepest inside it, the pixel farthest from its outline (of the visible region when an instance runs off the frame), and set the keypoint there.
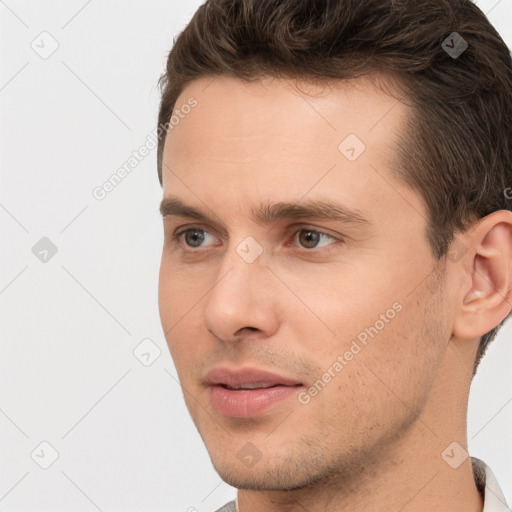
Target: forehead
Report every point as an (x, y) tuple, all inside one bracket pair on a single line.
[(281, 120), (281, 140), (283, 108)]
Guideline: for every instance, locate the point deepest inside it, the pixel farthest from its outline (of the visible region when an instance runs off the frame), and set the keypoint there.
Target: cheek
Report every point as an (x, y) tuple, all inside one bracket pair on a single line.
[(179, 304), (402, 359), (387, 336), (178, 293), (166, 297), (335, 305), (383, 382)]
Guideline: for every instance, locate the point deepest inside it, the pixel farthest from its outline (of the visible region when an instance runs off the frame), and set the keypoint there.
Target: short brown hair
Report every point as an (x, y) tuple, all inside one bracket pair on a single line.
[(456, 151)]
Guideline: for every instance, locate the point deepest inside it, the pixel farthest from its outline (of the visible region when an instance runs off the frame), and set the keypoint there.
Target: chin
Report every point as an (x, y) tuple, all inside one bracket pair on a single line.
[(256, 481), (283, 475)]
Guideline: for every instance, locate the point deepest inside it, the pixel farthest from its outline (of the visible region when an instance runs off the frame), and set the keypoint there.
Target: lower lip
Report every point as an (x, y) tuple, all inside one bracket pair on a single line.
[(250, 402)]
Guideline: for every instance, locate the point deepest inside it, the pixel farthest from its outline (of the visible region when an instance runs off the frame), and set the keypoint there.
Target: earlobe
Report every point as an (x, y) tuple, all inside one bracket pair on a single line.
[(488, 300)]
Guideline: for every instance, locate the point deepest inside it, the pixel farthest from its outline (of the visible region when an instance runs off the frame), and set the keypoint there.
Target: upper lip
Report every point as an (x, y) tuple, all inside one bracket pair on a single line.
[(238, 377)]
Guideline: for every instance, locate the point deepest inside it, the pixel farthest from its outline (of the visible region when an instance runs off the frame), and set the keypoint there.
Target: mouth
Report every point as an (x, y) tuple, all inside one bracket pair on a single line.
[(255, 385), (248, 392)]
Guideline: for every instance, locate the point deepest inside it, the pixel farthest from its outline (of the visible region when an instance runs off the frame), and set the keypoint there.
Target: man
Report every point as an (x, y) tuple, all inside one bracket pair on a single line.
[(337, 246)]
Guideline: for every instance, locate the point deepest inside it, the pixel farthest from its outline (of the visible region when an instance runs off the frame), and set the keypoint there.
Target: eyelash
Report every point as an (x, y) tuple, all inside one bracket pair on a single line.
[(178, 234)]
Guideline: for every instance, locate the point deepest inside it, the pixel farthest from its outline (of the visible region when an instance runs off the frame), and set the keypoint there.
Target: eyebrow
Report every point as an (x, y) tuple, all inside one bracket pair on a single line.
[(270, 213)]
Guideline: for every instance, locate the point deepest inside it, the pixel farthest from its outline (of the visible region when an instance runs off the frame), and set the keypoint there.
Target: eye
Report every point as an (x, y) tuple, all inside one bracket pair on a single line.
[(193, 237), (310, 238)]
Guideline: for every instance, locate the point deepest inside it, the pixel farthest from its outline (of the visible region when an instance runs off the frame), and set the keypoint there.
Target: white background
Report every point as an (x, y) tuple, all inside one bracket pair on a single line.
[(70, 325)]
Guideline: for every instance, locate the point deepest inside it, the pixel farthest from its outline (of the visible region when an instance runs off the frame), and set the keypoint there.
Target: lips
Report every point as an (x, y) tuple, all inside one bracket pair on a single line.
[(247, 378), (248, 392)]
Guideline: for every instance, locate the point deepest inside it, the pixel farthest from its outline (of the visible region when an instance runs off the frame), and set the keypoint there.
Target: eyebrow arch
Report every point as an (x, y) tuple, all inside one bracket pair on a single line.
[(270, 213)]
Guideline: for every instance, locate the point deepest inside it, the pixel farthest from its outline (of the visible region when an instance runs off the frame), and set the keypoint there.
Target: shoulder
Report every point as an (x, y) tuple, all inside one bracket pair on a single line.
[(492, 494), (228, 507)]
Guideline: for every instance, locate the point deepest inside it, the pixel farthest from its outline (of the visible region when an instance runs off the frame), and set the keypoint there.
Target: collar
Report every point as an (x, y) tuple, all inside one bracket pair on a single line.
[(486, 483)]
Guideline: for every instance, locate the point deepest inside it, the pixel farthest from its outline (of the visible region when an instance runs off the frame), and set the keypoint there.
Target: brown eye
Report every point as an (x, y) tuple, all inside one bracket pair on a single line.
[(308, 238)]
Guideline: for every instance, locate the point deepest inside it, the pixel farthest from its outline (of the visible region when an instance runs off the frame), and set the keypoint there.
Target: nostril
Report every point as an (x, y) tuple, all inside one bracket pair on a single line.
[(249, 328)]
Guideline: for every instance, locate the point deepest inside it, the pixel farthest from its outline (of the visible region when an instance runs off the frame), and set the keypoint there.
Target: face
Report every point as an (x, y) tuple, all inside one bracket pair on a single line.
[(298, 274)]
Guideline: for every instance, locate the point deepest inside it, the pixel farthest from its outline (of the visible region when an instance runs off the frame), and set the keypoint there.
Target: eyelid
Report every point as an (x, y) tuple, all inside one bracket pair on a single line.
[(323, 231)]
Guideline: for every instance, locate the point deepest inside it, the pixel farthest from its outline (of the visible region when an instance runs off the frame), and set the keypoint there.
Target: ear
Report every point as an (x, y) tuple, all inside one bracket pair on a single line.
[(486, 297)]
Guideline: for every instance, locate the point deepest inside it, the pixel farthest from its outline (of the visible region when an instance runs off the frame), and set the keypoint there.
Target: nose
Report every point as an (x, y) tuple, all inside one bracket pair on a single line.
[(242, 298)]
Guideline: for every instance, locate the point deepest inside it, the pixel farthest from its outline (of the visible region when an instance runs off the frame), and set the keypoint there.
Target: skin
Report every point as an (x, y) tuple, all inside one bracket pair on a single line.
[(373, 437)]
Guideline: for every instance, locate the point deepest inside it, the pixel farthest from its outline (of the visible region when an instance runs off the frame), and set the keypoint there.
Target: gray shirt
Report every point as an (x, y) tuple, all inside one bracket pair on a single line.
[(494, 500), (228, 507)]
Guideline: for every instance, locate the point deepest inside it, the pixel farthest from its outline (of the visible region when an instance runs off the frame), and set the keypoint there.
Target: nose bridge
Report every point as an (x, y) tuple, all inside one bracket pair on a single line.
[(240, 274), (243, 261)]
